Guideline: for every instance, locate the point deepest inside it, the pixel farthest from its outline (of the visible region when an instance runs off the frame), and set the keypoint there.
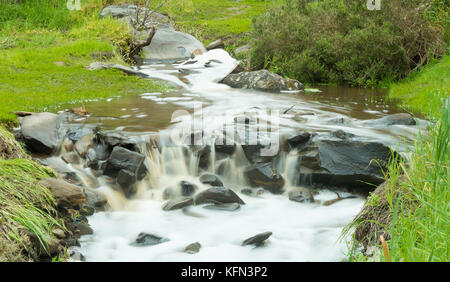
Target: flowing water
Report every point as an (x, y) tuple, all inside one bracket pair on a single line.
[(301, 231)]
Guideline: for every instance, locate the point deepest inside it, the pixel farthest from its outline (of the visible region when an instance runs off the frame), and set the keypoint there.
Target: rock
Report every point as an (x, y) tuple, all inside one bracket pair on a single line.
[(242, 49), (75, 254), (395, 119), (254, 153), (67, 145), (187, 188), (117, 11), (95, 199), (71, 158), (178, 203), (126, 179), (215, 44), (83, 229), (146, 239), (170, 46), (342, 134), (301, 195), (107, 141), (265, 176), (217, 195), (238, 69), (257, 240), (254, 192), (65, 194), (42, 132), (128, 11), (193, 248), (298, 140), (344, 163), (261, 80), (225, 146), (211, 179), (223, 207), (122, 158), (83, 145), (59, 233), (99, 66)]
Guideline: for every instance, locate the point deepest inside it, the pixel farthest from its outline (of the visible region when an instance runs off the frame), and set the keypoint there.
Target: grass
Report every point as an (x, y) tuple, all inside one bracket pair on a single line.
[(412, 208), (419, 90), (43, 59), (24, 204), (209, 20)]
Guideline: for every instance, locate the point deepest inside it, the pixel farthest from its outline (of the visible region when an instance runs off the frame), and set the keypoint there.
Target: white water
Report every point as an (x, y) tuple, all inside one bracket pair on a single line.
[(301, 231)]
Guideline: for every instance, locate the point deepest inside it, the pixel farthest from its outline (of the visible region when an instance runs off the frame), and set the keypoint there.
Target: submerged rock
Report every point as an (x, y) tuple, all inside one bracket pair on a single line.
[(395, 119), (257, 240), (179, 203), (223, 207), (146, 239), (261, 80), (218, 195), (193, 248), (301, 195)]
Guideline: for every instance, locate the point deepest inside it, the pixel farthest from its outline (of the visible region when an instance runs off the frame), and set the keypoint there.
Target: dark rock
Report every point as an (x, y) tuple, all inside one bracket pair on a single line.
[(127, 179), (42, 132), (342, 134), (252, 191), (187, 188), (217, 195), (87, 210), (254, 153), (95, 199), (178, 203), (345, 163), (110, 140), (193, 248), (395, 119), (225, 146), (146, 239), (65, 194), (261, 80), (301, 196), (265, 176), (223, 207), (298, 140), (75, 254), (83, 229), (211, 179), (122, 158), (257, 240)]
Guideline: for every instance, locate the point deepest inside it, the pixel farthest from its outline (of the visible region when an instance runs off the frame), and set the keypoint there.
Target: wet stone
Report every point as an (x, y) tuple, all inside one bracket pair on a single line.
[(257, 240), (193, 248), (176, 204), (146, 239), (223, 207)]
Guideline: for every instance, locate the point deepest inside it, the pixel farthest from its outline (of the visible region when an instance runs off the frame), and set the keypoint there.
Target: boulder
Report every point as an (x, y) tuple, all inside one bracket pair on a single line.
[(301, 195), (146, 239), (71, 158), (83, 145), (187, 188), (124, 159), (211, 179), (178, 203), (261, 80), (258, 239), (298, 140), (217, 195), (395, 119), (127, 179), (344, 163), (65, 194), (265, 176), (42, 132), (170, 46)]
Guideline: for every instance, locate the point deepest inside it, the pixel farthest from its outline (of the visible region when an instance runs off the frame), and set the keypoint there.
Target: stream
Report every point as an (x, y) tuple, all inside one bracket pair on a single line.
[(308, 231)]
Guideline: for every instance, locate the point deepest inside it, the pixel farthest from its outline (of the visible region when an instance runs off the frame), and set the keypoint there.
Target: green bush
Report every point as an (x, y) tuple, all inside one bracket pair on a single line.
[(341, 41)]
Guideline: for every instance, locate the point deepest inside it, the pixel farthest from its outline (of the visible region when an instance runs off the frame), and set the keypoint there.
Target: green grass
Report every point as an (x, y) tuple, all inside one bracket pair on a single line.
[(30, 78), (209, 20), (419, 90)]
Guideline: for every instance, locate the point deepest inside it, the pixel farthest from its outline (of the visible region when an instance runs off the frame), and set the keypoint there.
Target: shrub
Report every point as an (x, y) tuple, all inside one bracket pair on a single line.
[(341, 41)]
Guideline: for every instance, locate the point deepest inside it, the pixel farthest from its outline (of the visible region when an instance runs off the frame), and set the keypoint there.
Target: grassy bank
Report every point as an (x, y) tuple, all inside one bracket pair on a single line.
[(44, 52), (411, 210), (423, 90)]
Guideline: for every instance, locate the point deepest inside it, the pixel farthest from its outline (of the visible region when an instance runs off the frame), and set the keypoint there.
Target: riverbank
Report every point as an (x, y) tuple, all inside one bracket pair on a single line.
[(410, 210)]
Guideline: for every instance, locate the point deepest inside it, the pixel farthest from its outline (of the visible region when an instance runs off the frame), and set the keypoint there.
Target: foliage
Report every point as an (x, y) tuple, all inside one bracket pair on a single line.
[(342, 41)]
